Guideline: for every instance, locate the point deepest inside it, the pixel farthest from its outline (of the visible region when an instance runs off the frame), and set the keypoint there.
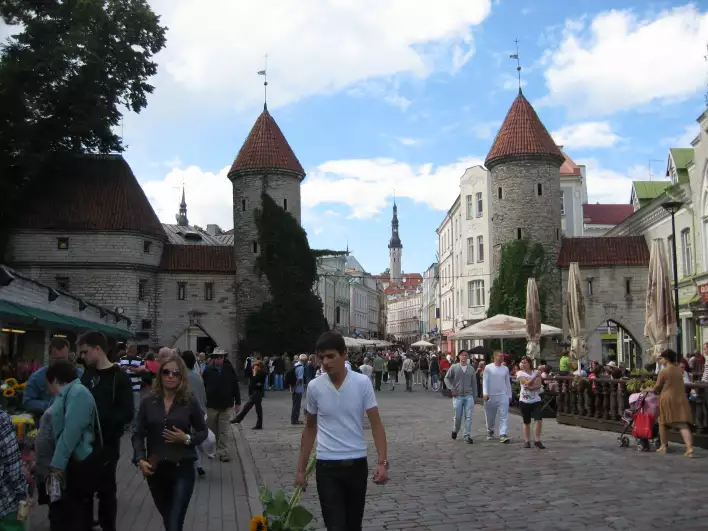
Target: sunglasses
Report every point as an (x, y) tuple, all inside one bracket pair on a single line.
[(167, 372)]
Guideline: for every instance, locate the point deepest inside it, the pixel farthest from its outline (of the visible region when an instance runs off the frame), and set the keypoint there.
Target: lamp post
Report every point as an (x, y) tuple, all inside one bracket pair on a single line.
[(672, 207)]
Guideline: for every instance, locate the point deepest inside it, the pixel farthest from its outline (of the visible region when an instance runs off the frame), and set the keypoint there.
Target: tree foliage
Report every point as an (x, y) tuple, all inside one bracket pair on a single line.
[(520, 259), (292, 319), (64, 80)]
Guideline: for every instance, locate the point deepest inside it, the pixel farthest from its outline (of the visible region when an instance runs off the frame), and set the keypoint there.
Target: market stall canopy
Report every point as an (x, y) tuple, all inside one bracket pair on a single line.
[(502, 327), (422, 344)]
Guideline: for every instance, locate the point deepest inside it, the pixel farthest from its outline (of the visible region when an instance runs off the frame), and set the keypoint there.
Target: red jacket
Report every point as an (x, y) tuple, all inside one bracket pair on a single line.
[(444, 365)]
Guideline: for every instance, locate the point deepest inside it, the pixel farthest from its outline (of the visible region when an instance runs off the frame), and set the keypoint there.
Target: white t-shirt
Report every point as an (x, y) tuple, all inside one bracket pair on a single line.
[(527, 395), (496, 381), (340, 415), (366, 370)]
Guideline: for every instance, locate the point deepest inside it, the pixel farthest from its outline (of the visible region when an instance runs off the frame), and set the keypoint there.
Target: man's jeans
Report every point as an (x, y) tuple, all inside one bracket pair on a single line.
[(498, 403), (434, 380), (278, 382), (392, 379), (377, 380), (409, 380), (295, 414), (137, 397), (171, 487), (463, 407)]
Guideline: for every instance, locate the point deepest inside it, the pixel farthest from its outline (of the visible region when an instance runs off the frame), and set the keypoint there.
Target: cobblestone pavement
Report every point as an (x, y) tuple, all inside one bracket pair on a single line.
[(582, 481)]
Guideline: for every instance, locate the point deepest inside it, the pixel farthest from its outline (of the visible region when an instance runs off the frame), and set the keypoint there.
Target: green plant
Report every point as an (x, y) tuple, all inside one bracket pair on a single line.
[(640, 372)]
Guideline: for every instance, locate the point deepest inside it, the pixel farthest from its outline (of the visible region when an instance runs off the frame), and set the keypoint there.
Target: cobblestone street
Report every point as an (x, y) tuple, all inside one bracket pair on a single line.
[(582, 481)]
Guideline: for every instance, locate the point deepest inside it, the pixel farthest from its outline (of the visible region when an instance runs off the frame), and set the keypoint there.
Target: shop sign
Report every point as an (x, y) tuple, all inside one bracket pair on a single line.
[(703, 292)]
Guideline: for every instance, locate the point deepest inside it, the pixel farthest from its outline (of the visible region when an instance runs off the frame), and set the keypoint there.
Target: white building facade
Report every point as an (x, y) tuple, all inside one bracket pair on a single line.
[(404, 317)]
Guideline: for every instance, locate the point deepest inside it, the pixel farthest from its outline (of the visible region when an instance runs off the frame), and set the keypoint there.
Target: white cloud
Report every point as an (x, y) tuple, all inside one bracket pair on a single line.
[(364, 186), (586, 135), (409, 141), (486, 130), (621, 61), (215, 47), (690, 132), (610, 186)]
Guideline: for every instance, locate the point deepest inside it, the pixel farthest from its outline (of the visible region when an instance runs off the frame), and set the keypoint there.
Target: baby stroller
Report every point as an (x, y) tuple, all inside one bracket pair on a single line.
[(640, 418)]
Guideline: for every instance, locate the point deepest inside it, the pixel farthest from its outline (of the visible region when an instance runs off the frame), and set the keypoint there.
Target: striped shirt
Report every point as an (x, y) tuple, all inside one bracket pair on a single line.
[(13, 486), (135, 379)]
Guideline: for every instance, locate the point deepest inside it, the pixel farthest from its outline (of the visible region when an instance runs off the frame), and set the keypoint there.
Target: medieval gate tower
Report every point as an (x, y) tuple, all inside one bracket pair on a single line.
[(524, 163), (265, 163)]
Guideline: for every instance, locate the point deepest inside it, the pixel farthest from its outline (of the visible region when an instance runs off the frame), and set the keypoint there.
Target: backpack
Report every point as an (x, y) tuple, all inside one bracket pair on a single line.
[(290, 378)]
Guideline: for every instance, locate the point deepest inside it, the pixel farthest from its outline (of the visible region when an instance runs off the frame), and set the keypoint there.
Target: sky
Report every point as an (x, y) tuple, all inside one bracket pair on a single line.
[(384, 97)]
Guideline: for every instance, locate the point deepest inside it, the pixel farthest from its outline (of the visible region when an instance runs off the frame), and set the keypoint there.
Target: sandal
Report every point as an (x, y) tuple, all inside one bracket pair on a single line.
[(661, 450), (688, 453)]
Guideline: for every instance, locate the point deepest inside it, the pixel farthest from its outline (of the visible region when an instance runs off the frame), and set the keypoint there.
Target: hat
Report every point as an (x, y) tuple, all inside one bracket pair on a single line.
[(218, 351), (303, 357), (612, 364)]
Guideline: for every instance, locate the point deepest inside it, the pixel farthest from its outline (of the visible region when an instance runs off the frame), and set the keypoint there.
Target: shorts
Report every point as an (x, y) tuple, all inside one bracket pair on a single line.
[(531, 410)]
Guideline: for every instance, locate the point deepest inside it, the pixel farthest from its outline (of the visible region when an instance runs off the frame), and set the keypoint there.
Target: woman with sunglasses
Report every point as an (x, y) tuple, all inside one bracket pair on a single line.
[(171, 420)]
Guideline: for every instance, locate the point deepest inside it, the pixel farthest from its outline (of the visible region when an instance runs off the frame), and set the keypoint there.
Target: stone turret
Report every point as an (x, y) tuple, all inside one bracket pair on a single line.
[(265, 163), (395, 248), (524, 163)]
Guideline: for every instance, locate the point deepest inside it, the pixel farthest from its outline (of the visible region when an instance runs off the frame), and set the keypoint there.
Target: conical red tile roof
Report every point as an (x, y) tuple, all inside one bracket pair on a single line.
[(265, 148), (522, 134)]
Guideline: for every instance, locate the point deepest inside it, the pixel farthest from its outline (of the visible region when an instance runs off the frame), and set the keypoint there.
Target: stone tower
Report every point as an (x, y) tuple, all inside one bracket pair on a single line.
[(181, 217), (395, 248), (265, 163), (524, 163)]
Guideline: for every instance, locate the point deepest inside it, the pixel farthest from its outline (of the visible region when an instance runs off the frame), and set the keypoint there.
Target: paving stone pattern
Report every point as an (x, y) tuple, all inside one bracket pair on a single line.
[(583, 481)]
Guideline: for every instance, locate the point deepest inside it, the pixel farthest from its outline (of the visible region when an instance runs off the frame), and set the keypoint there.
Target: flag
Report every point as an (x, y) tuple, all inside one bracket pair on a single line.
[(261, 72), (514, 56)]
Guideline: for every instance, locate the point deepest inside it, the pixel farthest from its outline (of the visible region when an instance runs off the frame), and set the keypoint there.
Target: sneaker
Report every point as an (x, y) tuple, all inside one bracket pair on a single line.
[(201, 472), (454, 435), (236, 420), (490, 435), (504, 439), (224, 459), (469, 440), (527, 444), (257, 427), (539, 445)]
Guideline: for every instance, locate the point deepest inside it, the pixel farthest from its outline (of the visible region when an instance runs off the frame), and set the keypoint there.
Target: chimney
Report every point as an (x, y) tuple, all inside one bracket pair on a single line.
[(213, 229)]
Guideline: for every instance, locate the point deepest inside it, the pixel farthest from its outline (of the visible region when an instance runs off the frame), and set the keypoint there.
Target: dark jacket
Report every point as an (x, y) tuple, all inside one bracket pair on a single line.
[(435, 366), (112, 391), (151, 422), (257, 383), (222, 387), (279, 365)]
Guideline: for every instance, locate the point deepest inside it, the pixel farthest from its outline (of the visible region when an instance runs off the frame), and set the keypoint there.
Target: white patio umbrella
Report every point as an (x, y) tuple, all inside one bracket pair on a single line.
[(533, 320), (502, 327), (350, 342), (422, 343), (660, 319), (576, 314)]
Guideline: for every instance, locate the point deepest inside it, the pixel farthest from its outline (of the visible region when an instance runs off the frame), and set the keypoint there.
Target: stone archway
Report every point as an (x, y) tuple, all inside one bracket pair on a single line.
[(630, 344)]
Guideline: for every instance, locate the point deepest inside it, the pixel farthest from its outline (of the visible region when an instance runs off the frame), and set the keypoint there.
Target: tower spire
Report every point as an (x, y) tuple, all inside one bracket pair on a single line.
[(264, 73), (395, 248), (181, 217), (518, 62)]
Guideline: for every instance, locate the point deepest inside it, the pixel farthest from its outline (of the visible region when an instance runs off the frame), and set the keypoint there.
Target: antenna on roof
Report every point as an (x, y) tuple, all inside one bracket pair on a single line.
[(518, 62), (264, 73)]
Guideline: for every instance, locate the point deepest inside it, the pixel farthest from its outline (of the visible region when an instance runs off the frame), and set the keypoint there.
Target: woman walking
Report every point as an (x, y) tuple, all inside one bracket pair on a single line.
[(674, 410), (172, 422), (530, 402), (256, 387)]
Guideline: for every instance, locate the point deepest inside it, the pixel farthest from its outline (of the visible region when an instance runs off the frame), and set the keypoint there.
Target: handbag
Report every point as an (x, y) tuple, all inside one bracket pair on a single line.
[(643, 427)]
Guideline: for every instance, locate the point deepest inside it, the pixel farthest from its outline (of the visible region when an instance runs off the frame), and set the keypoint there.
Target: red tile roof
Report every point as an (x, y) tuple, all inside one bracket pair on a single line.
[(604, 251), (89, 192), (569, 167), (266, 148), (199, 258), (606, 214), (522, 134)]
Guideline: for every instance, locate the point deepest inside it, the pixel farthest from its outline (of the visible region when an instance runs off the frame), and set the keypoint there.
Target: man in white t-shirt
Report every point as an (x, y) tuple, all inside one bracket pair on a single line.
[(367, 370), (496, 391), (334, 417)]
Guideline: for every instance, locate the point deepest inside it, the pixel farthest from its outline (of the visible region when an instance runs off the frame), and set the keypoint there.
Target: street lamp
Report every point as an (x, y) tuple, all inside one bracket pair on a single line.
[(672, 207)]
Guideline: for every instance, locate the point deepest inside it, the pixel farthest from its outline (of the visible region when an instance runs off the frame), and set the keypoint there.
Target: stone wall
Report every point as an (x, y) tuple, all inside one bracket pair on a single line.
[(537, 216), (217, 316), (609, 302)]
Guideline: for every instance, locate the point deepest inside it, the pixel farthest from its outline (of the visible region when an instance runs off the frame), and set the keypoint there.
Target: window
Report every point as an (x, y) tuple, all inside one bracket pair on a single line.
[(686, 252), (562, 203), (470, 207), (470, 250), (146, 324), (243, 205), (519, 233), (337, 315), (539, 189), (557, 234), (627, 286), (142, 289), (499, 192), (63, 283), (590, 287), (475, 294), (181, 291), (255, 247), (147, 245), (480, 248), (208, 291), (62, 244), (480, 205), (285, 204)]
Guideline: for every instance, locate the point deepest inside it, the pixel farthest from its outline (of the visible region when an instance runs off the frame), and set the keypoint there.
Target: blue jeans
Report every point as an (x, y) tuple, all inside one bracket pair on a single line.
[(463, 407), (267, 382), (278, 382), (171, 487)]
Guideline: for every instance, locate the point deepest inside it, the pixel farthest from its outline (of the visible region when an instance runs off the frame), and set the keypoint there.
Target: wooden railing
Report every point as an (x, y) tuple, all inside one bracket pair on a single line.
[(600, 403)]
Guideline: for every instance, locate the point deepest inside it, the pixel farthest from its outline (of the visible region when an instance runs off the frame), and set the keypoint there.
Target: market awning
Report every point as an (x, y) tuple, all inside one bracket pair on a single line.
[(19, 313)]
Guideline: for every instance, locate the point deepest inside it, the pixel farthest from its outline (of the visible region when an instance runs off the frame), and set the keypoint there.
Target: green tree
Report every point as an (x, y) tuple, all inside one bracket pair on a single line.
[(292, 319), (65, 79), (520, 259)]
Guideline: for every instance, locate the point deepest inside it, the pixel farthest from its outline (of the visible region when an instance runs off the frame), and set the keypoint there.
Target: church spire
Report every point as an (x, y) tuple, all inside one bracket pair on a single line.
[(395, 242), (181, 218)]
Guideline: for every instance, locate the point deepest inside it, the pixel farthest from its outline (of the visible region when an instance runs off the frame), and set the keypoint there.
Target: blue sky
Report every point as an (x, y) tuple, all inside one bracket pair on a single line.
[(383, 95)]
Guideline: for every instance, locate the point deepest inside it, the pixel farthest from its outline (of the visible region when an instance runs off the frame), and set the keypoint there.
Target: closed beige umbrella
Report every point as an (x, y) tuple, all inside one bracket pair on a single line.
[(533, 320), (576, 314), (660, 319)]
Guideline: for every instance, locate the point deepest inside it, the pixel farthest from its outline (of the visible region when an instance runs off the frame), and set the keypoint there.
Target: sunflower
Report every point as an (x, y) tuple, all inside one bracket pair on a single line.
[(8, 393), (11, 382), (258, 523)]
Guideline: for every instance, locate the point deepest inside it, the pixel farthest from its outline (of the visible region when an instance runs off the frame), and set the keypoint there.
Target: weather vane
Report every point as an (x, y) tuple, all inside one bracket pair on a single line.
[(264, 73), (518, 61)]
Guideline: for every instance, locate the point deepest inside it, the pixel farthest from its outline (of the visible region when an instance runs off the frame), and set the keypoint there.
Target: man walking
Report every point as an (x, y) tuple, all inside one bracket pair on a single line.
[(36, 398), (462, 382), (336, 402), (196, 387), (379, 368), (408, 366), (424, 366), (134, 367), (223, 393), (111, 390), (496, 391), (298, 389), (392, 371)]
